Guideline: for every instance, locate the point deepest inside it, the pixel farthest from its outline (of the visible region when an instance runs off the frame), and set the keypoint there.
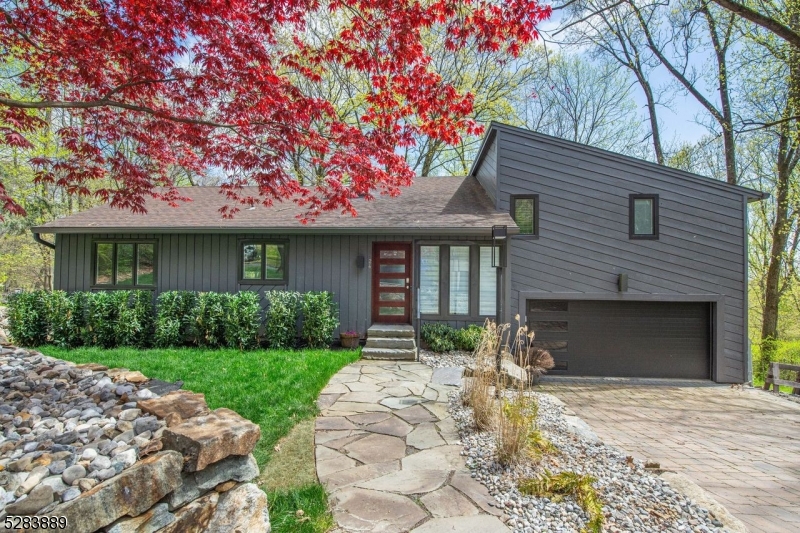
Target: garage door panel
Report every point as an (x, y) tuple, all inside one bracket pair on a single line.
[(624, 338)]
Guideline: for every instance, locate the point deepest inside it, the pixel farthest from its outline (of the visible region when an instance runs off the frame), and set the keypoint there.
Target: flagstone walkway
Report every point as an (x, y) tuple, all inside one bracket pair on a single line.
[(389, 454)]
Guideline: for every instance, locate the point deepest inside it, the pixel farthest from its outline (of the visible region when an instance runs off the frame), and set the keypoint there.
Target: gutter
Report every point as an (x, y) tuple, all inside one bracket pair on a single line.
[(38, 239)]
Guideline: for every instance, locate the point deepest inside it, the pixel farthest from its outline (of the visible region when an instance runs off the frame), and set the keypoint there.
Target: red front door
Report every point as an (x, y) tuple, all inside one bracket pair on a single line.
[(391, 283)]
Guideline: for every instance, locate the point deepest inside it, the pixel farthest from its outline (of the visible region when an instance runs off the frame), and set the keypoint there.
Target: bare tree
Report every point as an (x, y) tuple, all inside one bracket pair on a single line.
[(674, 36), (586, 101), (613, 31)]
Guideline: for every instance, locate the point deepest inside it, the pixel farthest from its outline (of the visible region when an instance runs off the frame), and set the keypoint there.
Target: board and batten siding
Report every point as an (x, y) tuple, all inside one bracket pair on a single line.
[(584, 245), (210, 262)]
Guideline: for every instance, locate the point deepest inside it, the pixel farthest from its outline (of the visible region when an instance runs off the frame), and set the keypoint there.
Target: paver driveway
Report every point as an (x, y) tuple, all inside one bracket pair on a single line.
[(389, 454), (742, 446)]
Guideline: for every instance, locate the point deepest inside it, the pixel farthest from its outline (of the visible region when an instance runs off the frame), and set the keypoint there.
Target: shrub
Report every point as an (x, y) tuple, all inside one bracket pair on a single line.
[(243, 320), (102, 317), (172, 320), (65, 318), (438, 337), (281, 318), (536, 362), (468, 338), (207, 318), (515, 422), (27, 317), (774, 351), (134, 325), (556, 486), (320, 319)]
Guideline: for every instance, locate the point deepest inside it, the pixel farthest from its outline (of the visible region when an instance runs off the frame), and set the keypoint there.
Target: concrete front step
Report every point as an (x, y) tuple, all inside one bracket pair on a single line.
[(400, 343), (389, 353), (390, 330)]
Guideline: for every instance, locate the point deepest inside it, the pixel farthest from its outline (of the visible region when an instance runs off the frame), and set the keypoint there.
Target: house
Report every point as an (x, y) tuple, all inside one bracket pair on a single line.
[(622, 267)]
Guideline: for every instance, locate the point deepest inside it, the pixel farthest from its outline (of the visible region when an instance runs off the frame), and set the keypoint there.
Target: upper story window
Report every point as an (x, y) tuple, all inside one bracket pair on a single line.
[(525, 212), (263, 262), (643, 216), (125, 264)]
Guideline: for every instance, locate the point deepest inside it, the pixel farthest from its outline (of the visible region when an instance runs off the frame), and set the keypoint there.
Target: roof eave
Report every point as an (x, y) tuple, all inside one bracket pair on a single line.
[(460, 230)]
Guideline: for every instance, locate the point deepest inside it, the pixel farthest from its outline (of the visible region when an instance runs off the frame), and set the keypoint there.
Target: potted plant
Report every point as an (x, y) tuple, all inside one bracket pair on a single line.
[(349, 339)]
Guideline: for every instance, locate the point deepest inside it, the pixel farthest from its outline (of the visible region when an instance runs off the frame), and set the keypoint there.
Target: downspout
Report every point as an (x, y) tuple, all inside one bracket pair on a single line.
[(38, 239)]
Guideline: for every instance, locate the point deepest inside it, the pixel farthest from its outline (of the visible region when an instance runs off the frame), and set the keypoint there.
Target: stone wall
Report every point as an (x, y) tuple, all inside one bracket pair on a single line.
[(113, 451)]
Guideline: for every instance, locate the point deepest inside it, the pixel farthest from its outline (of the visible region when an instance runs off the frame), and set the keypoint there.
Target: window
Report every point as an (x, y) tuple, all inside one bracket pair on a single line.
[(487, 298), (429, 280), (459, 280), (125, 264), (643, 216), (263, 262), (525, 212)]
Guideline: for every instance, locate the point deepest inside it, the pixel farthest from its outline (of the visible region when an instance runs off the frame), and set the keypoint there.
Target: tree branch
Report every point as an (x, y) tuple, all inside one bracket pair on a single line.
[(781, 30), (104, 102)]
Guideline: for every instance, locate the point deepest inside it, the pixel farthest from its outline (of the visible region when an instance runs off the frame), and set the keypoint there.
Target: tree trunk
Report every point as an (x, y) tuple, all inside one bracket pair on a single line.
[(651, 111)]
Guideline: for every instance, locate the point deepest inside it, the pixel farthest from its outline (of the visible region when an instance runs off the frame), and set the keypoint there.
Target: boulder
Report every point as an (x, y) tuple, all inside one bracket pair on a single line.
[(185, 404), (236, 467), (149, 522), (195, 516), (131, 493), (37, 499), (123, 374), (207, 439), (243, 508)]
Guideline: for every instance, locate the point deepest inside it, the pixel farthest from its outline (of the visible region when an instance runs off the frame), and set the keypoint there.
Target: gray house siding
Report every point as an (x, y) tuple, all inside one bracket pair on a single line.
[(583, 243), (210, 262)]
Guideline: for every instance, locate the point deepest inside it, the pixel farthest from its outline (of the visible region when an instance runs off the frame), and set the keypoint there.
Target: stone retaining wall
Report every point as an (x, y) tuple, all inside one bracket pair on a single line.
[(111, 450)]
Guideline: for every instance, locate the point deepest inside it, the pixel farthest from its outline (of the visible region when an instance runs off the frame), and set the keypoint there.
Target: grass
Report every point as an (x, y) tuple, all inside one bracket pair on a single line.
[(276, 389)]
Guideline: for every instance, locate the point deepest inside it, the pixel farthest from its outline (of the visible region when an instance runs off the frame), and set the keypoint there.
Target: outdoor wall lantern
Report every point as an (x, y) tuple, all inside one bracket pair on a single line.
[(622, 282), (499, 236), (361, 261)]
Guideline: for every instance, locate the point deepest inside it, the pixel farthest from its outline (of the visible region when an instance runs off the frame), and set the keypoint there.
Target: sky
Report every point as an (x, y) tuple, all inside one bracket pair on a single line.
[(678, 121)]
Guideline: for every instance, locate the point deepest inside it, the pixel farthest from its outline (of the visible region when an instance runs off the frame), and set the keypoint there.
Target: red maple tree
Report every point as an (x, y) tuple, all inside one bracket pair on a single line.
[(151, 86)]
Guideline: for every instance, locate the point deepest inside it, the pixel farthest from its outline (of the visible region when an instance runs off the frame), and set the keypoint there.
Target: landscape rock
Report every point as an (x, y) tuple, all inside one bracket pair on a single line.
[(195, 516), (207, 439), (243, 508), (37, 499), (185, 404), (149, 522), (131, 493)]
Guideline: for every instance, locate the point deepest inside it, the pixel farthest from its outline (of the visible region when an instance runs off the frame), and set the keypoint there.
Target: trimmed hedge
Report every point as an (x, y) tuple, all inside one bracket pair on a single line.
[(320, 319), (129, 318), (282, 314)]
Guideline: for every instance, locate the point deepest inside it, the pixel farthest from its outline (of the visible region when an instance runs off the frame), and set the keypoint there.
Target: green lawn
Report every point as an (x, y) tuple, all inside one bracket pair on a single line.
[(275, 389)]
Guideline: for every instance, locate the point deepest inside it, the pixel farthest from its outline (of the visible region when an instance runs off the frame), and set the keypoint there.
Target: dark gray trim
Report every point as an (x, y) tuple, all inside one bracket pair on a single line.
[(93, 258), (598, 152), (717, 302), (513, 209), (263, 280), (631, 216), (38, 238)]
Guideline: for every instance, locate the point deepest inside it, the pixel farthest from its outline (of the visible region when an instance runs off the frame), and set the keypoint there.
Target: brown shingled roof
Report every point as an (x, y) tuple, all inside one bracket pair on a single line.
[(430, 205)]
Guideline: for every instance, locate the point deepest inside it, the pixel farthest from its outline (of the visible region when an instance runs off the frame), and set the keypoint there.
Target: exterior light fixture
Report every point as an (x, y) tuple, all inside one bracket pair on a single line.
[(499, 236)]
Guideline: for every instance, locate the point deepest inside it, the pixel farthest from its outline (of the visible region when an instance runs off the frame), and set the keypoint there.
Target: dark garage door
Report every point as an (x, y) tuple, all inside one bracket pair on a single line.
[(624, 339)]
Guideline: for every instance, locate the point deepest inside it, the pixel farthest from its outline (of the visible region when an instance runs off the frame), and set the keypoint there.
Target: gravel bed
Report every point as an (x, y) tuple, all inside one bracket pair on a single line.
[(634, 499), (66, 428), (444, 360)]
